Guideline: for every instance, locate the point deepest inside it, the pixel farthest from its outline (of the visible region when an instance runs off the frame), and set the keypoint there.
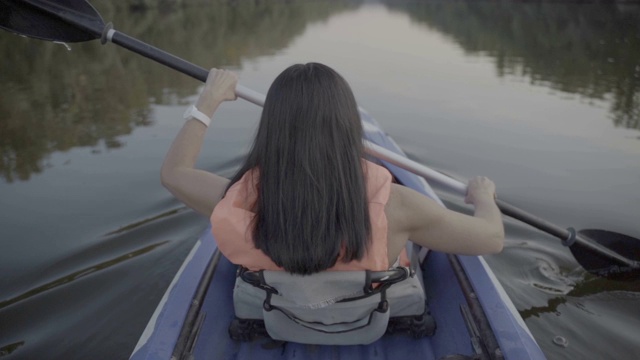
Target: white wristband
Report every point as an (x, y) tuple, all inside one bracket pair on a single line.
[(193, 112)]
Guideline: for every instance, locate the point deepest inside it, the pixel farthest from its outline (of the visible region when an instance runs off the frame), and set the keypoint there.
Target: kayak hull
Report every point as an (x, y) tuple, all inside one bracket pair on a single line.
[(471, 309)]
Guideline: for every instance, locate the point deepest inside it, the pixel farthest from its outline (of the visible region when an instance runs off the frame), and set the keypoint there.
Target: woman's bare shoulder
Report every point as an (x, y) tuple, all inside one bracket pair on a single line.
[(402, 207)]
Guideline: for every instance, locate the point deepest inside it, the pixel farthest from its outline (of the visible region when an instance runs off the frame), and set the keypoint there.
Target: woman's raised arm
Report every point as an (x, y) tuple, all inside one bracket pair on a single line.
[(198, 189), (428, 224)]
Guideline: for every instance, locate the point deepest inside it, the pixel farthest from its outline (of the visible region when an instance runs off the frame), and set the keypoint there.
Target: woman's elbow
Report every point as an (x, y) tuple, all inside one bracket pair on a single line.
[(497, 247), (496, 243), (167, 178), (490, 239)]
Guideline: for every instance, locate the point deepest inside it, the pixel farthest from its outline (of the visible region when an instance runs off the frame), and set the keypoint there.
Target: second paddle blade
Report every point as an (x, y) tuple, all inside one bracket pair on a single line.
[(601, 265)]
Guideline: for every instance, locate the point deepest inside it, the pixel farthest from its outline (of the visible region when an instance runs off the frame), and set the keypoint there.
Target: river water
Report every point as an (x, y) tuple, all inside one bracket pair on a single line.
[(542, 98)]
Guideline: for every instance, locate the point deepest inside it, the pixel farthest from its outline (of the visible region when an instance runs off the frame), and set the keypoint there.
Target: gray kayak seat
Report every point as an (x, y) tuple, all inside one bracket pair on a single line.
[(331, 307)]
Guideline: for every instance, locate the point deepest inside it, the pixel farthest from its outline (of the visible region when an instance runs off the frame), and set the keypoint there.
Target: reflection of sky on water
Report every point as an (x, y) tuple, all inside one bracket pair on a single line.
[(413, 68), (589, 50)]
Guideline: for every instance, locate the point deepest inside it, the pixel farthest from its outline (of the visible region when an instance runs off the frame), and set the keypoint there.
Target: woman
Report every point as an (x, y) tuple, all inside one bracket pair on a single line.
[(305, 200)]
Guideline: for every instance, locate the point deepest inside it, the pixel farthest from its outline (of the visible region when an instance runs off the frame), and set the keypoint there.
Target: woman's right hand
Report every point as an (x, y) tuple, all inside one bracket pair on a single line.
[(220, 87), (480, 187)]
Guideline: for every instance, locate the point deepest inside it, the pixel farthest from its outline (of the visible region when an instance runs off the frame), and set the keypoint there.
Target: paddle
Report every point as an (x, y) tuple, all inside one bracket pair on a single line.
[(598, 251)]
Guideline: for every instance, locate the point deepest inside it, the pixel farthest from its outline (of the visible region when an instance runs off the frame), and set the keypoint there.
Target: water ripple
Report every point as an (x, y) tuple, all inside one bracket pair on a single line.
[(68, 278)]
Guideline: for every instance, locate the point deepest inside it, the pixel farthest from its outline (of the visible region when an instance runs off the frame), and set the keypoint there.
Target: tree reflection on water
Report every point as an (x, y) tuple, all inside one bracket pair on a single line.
[(55, 100), (591, 50)]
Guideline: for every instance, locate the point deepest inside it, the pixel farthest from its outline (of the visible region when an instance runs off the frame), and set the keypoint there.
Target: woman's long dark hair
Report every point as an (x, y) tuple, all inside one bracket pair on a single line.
[(312, 201)]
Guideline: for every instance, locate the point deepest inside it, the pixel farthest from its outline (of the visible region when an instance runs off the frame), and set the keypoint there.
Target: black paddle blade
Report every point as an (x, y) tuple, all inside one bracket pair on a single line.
[(53, 20), (599, 264)]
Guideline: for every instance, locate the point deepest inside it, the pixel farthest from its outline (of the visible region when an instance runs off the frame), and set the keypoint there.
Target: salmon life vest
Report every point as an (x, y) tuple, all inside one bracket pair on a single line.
[(233, 230)]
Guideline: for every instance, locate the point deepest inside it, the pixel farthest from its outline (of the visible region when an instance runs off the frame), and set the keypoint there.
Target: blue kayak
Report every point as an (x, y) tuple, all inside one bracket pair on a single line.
[(474, 316)]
